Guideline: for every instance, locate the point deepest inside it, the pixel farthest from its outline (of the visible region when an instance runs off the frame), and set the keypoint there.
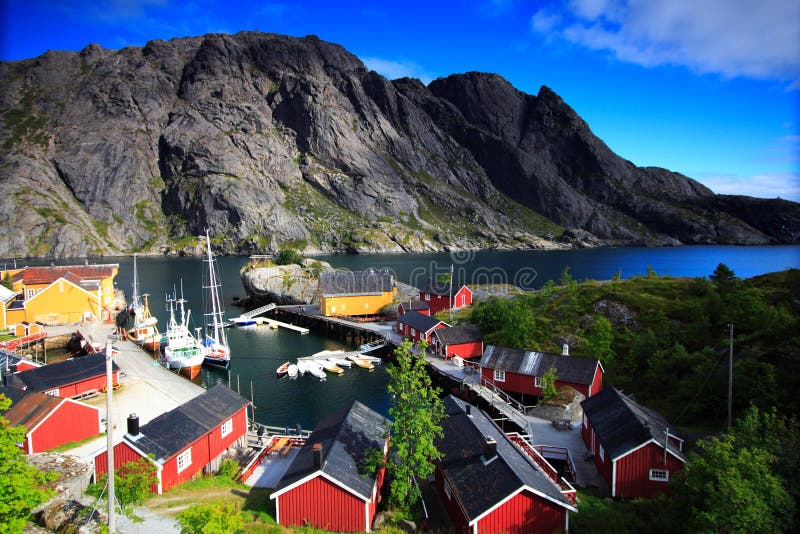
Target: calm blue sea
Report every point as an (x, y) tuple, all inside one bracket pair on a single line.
[(257, 352)]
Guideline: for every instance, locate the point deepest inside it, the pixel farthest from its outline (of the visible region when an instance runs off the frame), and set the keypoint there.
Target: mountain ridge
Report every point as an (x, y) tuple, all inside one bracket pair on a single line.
[(270, 140)]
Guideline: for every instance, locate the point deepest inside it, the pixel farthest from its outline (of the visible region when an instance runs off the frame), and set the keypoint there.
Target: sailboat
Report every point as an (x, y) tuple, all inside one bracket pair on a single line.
[(184, 351), (218, 353), (145, 332)]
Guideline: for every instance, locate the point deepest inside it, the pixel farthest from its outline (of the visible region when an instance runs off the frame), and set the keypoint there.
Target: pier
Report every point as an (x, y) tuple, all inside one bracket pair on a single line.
[(339, 328)]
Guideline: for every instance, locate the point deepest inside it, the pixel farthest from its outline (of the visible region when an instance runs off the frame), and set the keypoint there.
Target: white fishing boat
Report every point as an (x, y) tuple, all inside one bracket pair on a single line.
[(145, 330), (291, 371), (218, 353), (373, 359), (329, 366), (361, 362), (183, 351), (341, 362), (310, 367)]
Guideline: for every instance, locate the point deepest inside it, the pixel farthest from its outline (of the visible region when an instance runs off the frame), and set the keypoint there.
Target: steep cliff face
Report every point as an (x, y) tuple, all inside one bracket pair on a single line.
[(266, 139)]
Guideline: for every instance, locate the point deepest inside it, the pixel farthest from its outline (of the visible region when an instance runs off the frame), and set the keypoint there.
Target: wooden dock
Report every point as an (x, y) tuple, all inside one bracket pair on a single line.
[(335, 327), (288, 326)]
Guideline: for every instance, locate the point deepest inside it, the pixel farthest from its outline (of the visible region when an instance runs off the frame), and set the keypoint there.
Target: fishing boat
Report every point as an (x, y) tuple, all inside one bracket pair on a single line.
[(361, 362), (329, 366), (183, 351), (292, 371), (145, 332), (216, 342), (283, 369), (308, 366)]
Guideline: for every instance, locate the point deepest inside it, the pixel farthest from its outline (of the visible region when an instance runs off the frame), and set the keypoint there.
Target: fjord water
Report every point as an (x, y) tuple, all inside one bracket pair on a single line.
[(257, 351)]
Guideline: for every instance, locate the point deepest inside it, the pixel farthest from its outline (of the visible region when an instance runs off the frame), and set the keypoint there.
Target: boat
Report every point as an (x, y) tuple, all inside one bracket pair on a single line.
[(373, 359), (329, 366), (307, 366), (292, 370), (283, 369), (145, 332), (341, 362), (242, 320), (183, 351), (218, 353), (361, 362)]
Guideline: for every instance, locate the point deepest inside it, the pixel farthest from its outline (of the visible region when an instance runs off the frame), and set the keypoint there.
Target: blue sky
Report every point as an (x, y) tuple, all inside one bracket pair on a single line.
[(709, 88)]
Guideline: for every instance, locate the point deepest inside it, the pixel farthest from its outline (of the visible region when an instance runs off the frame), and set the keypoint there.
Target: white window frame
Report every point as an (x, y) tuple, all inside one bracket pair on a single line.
[(584, 420), (53, 392), (659, 475), (537, 381), (184, 459), (31, 292), (499, 375), (227, 427), (427, 296), (413, 332), (602, 453)]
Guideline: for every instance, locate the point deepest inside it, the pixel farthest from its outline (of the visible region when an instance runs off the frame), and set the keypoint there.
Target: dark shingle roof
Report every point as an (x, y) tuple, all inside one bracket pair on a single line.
[(415, 305), (436, 288), (28, 408), (621, 424), (457, 335), (60, 374), (170, 432), (568, 368), (369, 282), (346, 436), (419, 321), (480, 486)]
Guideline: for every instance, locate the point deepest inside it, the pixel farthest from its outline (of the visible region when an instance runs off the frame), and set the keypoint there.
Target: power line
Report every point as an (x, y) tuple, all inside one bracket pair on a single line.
[(716, 364)]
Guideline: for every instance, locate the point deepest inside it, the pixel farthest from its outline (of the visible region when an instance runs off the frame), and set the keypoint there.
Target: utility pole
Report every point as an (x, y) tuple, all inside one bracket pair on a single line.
[(109, 438), (730, 377), (451, 292)]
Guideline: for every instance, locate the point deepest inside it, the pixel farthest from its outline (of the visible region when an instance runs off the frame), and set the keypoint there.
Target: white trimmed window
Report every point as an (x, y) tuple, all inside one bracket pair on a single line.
[(427, 296), (184, 460), (227, 427), (602, 454), (413, 332), (499, 375), (31, 292), (52, 392), (537, 381), (659, 475)]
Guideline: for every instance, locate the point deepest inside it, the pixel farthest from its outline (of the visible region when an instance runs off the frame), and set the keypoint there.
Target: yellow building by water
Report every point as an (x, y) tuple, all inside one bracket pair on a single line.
[(60, 294), (352, 293)]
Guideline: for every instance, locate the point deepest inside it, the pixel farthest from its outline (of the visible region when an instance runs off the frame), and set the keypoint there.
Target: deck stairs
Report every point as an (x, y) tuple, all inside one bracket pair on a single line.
[(259, 311), (510, 407)]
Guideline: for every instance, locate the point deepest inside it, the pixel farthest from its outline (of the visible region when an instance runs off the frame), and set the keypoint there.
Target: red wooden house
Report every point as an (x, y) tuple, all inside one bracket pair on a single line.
[(487, 484), (326, 485), (418, 327), (463, 341), (438, 296), (185, 441), (520, 371), (628, 442), (50, 422), (414, 305), (70, 378)]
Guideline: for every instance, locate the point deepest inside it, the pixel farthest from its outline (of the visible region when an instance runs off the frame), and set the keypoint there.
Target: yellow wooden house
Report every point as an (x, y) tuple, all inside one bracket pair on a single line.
[(61, 294), (353, 293)]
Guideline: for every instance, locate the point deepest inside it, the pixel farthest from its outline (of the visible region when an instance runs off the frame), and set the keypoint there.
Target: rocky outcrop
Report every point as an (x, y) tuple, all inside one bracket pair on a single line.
[(283, 284), (267, 140)]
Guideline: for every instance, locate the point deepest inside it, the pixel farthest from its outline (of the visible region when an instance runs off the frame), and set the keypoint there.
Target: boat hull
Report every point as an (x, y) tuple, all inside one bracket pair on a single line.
[(190, 371)]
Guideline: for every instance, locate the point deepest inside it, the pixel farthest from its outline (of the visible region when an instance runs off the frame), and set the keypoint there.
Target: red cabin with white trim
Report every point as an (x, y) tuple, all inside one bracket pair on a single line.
[(418, 327), (326, 485), (438, 296), (633, 448), (50, 422), (463, 341), (70, 378), (414, 305), (185, 441)]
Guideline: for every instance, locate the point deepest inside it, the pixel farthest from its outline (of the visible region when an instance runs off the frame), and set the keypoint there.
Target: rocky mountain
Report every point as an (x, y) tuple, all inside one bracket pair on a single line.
[(269, 140)]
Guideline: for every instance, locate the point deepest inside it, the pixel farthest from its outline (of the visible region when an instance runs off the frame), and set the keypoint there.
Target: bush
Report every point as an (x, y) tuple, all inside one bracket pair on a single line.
[(132, 483), (288, 256), (210, 519), (228, 469)]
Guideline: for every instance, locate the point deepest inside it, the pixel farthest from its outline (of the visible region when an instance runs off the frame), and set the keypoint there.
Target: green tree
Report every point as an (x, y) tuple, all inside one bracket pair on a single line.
[(20, 483), (601, 339), (416, 414), (724, 278), (209, 518), (548, 288), (509, 322), (288, 256), (132, 483), (548, 381), (443, 279), (7, 282)]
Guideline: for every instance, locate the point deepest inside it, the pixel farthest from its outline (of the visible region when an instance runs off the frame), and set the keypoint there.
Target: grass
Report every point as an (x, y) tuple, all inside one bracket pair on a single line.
[(71, 445), (51, 214), (23, 124)]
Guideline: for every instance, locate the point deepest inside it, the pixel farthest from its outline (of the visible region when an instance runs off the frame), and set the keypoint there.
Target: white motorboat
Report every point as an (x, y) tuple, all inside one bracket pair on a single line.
[(329, 366), (341, 362), (312, 368), (373, 359), (291, 371)]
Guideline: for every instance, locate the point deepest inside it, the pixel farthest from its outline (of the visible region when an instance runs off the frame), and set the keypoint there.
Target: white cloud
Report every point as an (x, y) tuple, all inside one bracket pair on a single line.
[(397, 69), (785, 185), (729, 37), (545, 20)]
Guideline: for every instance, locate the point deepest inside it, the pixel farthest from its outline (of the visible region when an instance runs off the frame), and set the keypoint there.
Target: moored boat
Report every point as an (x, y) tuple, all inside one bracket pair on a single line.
[(307, 366), (283, 369), (144, 332), (183, 352), (361, 362), (292, 370), (218, 353), (341, 362), (329, 366)]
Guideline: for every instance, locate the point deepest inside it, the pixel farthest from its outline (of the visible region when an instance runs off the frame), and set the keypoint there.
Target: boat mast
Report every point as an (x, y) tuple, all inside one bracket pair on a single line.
[(216, 306), (135, 296)]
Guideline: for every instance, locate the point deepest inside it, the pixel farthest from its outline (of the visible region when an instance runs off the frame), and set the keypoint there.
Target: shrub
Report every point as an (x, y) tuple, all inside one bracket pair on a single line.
[(228, 469), (288, 256), (210, 519)]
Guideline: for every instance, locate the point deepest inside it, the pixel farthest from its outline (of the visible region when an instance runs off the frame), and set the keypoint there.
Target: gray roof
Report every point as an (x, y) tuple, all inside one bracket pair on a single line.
[(370, 282), (346, 436), (456, 335), (478, 485), (60, 374), (568, 368), (621, 424), (419, 321), (171, 432), (415, 305)]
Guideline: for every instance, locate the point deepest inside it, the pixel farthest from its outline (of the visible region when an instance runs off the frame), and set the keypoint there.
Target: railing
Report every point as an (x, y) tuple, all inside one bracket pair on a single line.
[(534, 455), (514, 403), (259, 311), (559, 453), (13, 344), (567, 490)]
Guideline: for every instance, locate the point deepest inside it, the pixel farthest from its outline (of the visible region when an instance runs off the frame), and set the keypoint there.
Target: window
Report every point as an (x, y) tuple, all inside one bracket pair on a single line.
[(108, 290), (537, 381), (659, 475), (52, 392), (499, 375), (413, 332), (427, 296), (31, 292), (584, 420), (184, 460), (227, 427), (602, 454)]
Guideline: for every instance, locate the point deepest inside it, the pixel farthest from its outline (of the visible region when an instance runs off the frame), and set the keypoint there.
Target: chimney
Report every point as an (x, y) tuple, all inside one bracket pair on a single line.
[(469, 410), (565, 350), (133, 424), (489, 449), (317, 450)]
